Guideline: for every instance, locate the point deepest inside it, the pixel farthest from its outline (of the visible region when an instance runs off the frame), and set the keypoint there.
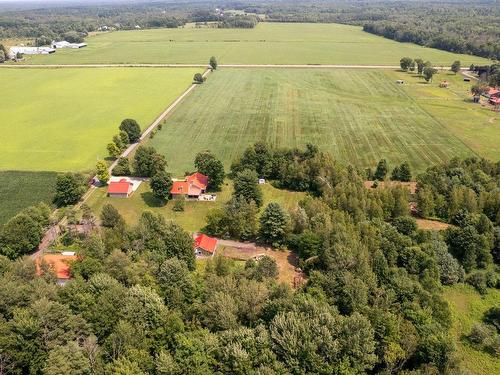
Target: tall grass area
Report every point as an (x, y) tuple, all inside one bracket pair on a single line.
[(268, 43), (468, 307), (62, 119), (19, 190), (359, 116)]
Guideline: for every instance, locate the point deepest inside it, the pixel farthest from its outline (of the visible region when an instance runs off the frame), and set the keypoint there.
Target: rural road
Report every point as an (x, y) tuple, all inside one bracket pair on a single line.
[(287, 66)]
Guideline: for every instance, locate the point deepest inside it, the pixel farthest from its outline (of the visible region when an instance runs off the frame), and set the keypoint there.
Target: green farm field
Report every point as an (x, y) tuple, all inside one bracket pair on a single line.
[(62, 119), (268, 43), (19, 190), (468, 307), (359, 116)]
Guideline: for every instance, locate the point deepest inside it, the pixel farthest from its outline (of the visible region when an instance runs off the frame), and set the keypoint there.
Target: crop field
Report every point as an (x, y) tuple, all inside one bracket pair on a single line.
[(467, 308), (19, 190), (268, 43), (62, 119), (359, 116)]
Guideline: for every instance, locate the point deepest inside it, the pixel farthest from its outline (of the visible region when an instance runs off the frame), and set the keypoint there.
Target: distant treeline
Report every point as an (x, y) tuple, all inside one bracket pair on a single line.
[(454, 26)]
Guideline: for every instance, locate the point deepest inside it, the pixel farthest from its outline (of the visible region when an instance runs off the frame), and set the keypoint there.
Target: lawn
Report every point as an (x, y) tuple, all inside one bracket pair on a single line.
[(193, 217), (268, 43), (62, 119), (359, 116), (468, 307), (19, 190)]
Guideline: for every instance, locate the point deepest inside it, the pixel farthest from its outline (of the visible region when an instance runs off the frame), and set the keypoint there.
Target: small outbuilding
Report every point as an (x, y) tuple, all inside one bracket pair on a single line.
[(466, 79), (400, 82), (59, 263), (120, 189), (444, 84), (205, 245)]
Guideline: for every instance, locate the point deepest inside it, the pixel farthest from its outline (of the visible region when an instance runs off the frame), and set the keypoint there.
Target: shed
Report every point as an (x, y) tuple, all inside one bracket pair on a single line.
[(59, 263), (120, 189), (205, 245), (444, 84), (400, 81), (466, 79)]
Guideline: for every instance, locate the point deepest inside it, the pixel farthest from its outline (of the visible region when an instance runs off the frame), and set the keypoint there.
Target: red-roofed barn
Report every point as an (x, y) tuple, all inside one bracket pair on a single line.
[(205, 245)]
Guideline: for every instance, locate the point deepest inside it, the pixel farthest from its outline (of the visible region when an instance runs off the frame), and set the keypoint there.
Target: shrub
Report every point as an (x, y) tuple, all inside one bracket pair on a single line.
[(179, 205)]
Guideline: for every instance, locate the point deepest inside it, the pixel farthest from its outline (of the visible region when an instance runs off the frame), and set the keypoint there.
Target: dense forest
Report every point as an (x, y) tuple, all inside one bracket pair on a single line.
[(454, 26), (140, 303)]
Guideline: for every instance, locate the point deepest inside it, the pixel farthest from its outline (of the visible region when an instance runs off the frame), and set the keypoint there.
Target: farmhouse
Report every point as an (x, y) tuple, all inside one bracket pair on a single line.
[(205, 245), (31, 50), (65, 44), (192, 187), (120, 189), (59, 263)]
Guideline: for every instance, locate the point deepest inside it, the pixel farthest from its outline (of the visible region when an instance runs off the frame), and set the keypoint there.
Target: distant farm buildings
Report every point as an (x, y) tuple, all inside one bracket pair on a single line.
[(65, 44), (493, 96), (14, 51)]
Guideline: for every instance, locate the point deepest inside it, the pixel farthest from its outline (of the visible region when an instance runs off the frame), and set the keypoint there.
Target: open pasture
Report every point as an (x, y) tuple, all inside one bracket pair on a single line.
[(268, 43), (19, 190), (359, 116), (62, 119)]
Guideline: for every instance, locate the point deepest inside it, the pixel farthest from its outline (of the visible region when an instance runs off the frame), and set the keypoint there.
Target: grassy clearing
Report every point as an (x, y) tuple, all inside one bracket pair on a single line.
[(268, 43), (19, 190), (62, 119), (359, 116), (467, 307), (193, 217)]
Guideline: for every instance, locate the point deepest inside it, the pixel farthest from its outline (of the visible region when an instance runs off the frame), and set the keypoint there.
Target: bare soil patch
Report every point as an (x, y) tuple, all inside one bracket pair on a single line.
[(431, 224), (411, 185), (287, 261)]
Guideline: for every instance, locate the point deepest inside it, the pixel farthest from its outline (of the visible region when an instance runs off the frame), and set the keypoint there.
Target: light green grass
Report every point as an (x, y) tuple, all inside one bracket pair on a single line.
[(62, 119), (468, 307), (19, 190), (359, 116), (268, 43), (193, 217)]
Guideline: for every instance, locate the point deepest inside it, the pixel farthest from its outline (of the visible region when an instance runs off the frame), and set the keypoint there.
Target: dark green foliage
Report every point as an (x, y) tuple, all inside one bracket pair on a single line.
[(274, 225), (122, 168), (213, 62), (264, 268), (147, 162), (132, 128), (179, 205), (198, 78), (428, 73), (381, 170), (406, 63), (206, 163), (492, 316), (246, 185), (110, 217), (401, 173), (69, 188), (405, 225), (161, 183), (20, 235), (455, 67)]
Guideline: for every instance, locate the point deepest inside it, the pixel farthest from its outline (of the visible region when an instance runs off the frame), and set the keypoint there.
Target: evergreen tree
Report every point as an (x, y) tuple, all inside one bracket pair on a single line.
[(381, 170), (246, 184), (274, 224)]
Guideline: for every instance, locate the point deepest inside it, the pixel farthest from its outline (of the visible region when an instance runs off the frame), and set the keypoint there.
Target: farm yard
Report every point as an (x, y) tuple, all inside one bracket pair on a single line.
[(19, 190), (62, 119), (193, 217), (268, 43), (359, 116)]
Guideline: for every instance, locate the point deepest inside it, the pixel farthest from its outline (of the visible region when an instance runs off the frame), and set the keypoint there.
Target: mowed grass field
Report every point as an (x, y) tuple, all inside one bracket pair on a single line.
[(359, 116), (268, 43), (62, 119), (467, 308), (19, 190), (193, 217)]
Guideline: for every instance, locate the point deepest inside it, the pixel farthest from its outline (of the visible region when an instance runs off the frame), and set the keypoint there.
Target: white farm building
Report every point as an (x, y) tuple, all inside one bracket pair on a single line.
[(65, 44), (31, 50)]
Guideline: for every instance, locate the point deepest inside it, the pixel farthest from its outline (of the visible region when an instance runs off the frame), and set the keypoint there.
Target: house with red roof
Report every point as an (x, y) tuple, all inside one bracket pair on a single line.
[(192, 187), (205, 245), (59, 263), (120, 189)]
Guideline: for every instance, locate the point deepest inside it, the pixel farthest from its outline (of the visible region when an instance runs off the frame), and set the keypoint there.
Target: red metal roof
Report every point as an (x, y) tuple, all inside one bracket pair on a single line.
[(493, 91), (198, 179), (206, 243), (180, 187), (61, 264), (119, 187), (193, 185)]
